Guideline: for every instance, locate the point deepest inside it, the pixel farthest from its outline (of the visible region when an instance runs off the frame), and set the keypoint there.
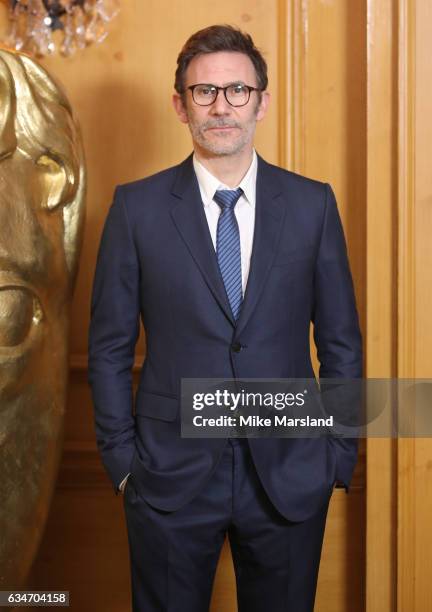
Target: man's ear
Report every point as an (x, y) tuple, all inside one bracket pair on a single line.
[(263, 105), (180, 108)]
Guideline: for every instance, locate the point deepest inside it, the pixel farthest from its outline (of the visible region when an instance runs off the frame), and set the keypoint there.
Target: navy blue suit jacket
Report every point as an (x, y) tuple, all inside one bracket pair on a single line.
[(156, 261)]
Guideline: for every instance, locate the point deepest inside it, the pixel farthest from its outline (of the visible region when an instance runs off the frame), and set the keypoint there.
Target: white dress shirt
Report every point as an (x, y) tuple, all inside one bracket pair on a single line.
[(244, 211)]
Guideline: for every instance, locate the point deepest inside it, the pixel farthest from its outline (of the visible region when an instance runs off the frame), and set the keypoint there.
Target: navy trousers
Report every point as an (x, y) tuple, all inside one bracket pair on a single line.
[(173, 555)]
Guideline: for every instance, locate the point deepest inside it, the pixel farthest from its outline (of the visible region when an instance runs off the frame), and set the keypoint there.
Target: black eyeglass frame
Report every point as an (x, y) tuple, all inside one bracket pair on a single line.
[(224, 89)]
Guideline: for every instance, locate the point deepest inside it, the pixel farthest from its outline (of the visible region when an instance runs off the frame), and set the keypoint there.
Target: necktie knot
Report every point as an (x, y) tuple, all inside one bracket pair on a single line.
[(227, 198)]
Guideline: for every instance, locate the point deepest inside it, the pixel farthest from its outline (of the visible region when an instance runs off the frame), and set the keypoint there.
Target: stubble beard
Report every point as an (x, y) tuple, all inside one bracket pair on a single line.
[(223, 144)]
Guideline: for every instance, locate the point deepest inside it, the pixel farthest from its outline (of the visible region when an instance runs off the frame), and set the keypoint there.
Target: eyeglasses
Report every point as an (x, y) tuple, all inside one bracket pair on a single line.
[(236, 94)]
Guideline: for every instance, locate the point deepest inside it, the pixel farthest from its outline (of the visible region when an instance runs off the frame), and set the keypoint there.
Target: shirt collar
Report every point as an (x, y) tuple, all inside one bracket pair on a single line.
[(209, 184)]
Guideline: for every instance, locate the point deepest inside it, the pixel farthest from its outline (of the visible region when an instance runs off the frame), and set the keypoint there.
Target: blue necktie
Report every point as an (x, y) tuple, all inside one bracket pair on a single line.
[(228, 247)]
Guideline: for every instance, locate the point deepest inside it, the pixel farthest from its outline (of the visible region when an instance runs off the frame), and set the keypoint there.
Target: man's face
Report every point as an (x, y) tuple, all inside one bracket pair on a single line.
[(221, 129)]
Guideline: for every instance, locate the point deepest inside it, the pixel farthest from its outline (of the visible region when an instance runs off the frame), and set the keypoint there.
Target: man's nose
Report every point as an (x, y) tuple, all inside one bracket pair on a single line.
[(220, 106)]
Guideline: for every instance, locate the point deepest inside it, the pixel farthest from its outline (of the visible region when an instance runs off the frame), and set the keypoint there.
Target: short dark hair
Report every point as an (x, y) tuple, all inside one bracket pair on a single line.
[(219, 38)]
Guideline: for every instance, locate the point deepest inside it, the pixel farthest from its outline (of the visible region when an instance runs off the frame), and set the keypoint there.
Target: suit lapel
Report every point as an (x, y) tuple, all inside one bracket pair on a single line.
[(269, 214), (189, 217)]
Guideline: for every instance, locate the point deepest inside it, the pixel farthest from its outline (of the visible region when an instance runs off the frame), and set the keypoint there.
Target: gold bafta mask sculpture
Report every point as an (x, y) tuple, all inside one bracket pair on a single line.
[(42, 192)]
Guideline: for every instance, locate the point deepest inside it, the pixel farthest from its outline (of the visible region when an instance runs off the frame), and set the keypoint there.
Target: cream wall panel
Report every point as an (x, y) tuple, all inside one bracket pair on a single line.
[(381, 311), (420, 519)]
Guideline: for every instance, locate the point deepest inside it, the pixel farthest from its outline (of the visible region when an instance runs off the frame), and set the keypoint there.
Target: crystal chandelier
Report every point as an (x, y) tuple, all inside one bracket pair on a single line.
[(33, 24)]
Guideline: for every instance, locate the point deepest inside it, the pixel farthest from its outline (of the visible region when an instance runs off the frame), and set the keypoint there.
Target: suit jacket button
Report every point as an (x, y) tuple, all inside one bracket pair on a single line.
[(236, 347)]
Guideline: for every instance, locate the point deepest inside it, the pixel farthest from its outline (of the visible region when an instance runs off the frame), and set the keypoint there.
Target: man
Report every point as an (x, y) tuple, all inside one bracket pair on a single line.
[(227, 259)]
